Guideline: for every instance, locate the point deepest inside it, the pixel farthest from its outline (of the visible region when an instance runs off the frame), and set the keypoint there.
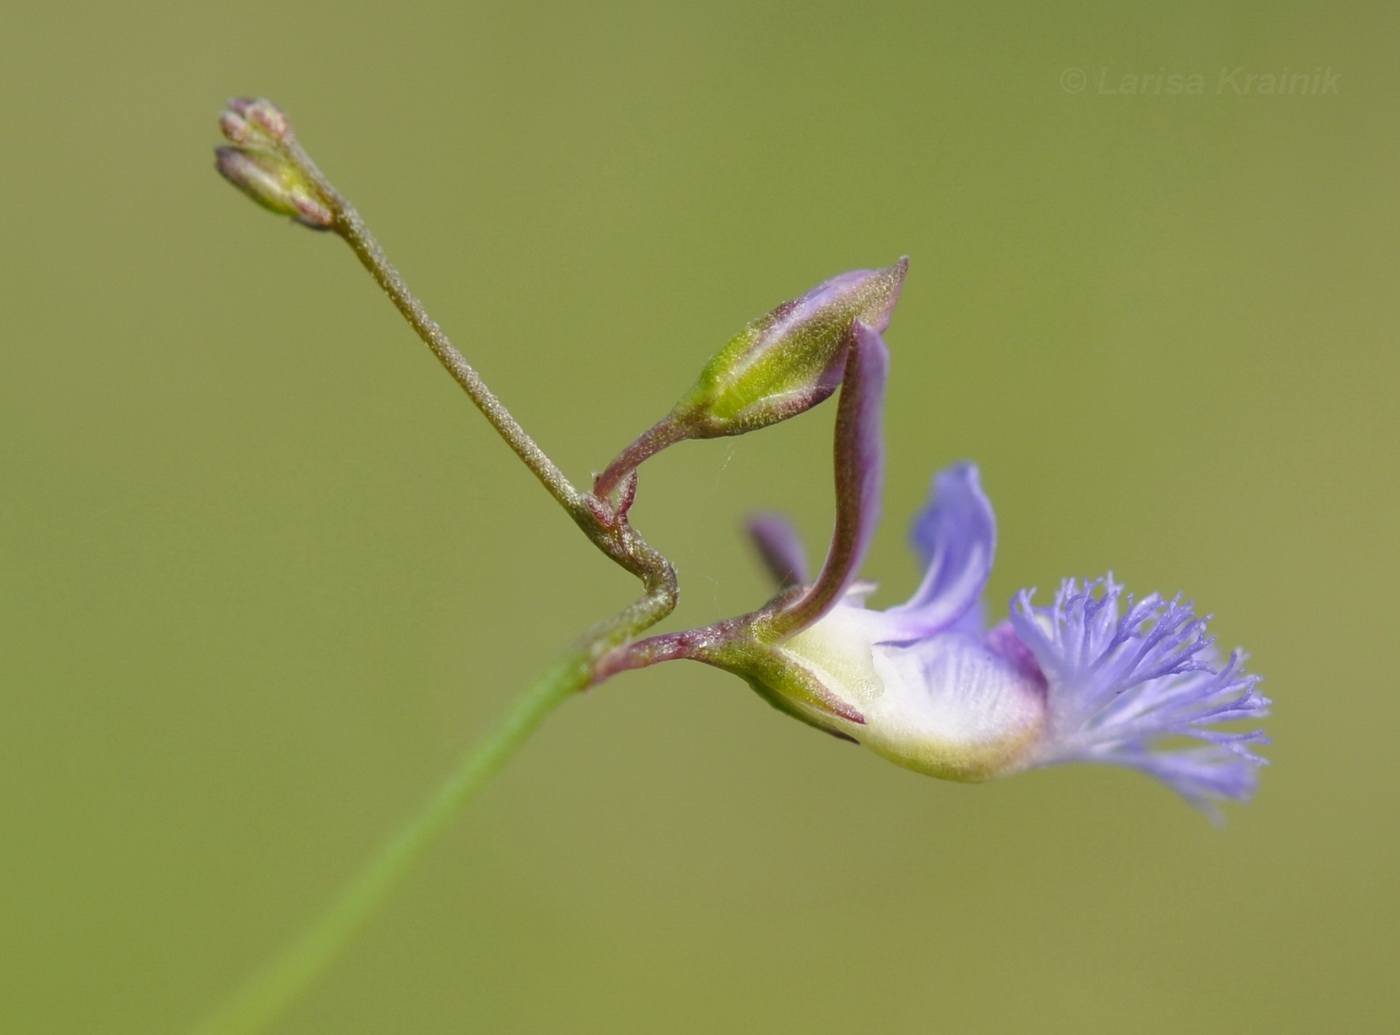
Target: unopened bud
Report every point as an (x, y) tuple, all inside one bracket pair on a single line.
[(780, 365), (790, 359), (235, 129), (262, 166), (262, 117)]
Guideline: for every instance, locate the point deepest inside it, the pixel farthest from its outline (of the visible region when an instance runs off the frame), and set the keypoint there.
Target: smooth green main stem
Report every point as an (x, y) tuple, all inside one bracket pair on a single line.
[(279, 984), (289, 975)]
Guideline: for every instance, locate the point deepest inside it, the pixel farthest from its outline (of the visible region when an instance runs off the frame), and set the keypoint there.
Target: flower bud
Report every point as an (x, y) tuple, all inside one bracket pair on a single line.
[(780, 365), (263, 117), (790, 359), (262, 166)]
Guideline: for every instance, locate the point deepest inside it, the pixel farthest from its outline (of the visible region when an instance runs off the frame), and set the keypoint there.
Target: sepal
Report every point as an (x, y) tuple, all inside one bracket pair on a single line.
[(790, 359)]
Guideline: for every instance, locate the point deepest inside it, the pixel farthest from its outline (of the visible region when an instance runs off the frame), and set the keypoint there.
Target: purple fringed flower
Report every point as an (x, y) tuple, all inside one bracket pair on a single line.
[(1095, 677)]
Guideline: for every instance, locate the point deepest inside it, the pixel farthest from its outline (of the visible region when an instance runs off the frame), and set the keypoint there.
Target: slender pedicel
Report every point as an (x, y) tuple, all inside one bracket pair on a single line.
[(267, 163), (262, 134)]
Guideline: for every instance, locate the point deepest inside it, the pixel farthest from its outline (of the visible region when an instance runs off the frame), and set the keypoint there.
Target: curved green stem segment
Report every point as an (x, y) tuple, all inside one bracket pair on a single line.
[(270, 992), (270, 165)]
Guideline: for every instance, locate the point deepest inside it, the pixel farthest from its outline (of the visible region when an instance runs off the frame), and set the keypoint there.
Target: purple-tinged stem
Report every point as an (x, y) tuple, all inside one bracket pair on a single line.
[(666, 432)]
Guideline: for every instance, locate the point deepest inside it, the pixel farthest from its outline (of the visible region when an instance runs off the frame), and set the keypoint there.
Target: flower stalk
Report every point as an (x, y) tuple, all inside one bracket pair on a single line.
[(268, 163), (268, 994)]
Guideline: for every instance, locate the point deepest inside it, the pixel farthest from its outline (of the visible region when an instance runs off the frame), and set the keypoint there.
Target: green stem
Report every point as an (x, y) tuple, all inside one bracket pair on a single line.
[(349, 225), (289, 975), (269, 993), (608, 530)]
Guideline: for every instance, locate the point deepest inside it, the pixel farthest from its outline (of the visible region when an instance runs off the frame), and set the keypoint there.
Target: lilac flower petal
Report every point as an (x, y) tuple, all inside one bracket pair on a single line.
[(956, 536), (1203, 776), (1122, 674), (859, 477), (779, 547)]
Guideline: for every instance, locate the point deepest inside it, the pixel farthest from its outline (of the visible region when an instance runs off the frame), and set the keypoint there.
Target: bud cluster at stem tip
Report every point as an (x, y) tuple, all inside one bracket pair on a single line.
[(261, 165)]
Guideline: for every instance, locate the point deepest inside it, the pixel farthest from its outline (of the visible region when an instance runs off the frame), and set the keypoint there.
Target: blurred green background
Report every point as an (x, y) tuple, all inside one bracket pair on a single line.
[(265, 571)]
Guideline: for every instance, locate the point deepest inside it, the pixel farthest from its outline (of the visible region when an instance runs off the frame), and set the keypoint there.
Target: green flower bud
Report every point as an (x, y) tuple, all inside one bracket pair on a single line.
[(780, 365), (788, 360)]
